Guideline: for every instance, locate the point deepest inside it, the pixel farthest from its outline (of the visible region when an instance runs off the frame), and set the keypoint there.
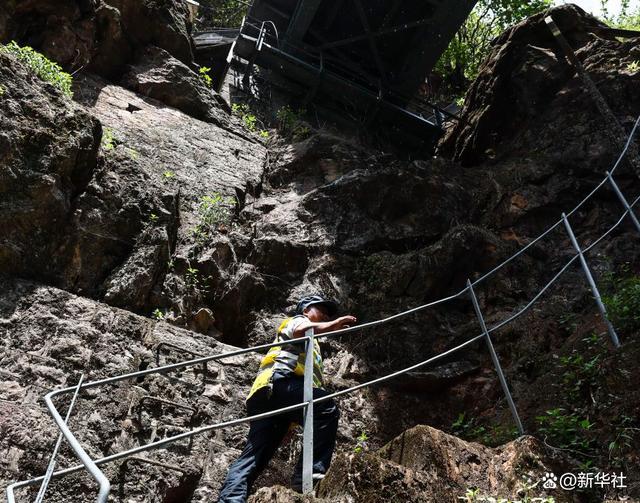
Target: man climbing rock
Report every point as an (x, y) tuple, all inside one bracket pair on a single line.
[(280, 383)]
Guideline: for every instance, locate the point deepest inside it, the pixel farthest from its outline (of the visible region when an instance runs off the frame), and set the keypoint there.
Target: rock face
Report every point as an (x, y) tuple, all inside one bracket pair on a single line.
[(119, 213), (158, 165), (55, 337), (160, 76), (49, 148), (101, 35)]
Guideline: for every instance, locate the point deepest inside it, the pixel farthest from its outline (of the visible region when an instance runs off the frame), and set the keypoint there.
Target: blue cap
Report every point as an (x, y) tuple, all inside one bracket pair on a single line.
[(314, 300)]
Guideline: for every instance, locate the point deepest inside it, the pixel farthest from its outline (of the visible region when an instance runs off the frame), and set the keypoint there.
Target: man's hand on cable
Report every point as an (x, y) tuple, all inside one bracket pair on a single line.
[(344, 321), (319, 320)]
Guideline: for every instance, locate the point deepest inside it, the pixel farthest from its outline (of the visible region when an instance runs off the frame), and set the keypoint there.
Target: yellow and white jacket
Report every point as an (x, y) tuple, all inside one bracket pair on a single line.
[(288, 358)]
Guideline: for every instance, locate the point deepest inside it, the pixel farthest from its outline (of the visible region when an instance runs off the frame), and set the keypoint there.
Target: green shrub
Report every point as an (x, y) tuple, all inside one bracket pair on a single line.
[(204, 75), (289, 123), (623, 303), (44, 68), (622, 443), (580, 375), (361, 442), (566, 429), (214, 211), (467, 428), (108, 140), (249, 119)]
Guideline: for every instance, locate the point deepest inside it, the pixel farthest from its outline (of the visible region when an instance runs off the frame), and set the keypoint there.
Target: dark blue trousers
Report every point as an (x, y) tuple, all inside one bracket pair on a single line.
[(266, 434)]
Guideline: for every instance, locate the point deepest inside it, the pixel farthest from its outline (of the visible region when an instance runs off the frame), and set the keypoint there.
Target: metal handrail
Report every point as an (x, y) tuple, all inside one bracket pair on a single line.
[(92, 466), (301, 405), (204, 429)]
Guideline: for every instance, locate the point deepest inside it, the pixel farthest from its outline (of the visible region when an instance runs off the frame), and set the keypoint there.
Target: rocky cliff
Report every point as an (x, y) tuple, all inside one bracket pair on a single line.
[(142, 214)]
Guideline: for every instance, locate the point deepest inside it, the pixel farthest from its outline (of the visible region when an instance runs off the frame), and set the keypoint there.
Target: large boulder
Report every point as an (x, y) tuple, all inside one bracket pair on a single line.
[(165, 24), (528, 101), (159, 75), (424, 465), (101, 210)]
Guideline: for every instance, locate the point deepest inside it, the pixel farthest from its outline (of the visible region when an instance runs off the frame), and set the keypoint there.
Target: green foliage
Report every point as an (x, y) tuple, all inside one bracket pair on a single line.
[(153, 218), (569, 321), (2, 90), (248, 118), (133, 153), (191, 277), (622, 443), (566, 429), (250, 121), (460, 62), (157, 314), (168, 175), (469, 429), (290, 123), (470, 496), (108, 140), (623, 302), (361, 442), (581, 374), (196, 281), (214, 211), (204, 75), (44, 68), (242, 111), (633, 67), (222, 13)]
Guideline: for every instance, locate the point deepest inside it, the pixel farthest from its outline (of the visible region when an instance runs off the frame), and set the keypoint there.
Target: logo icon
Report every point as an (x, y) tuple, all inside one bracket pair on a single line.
[(549, 481)]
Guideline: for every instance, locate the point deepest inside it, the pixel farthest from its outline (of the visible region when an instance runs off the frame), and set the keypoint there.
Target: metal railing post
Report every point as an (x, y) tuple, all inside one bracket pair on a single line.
[(96, 473), (52, 461), (623, 200), (307, 436), (494, 357), (592, 283)]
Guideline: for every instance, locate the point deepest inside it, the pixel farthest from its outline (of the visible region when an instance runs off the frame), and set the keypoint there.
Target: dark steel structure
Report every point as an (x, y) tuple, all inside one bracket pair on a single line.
[(370, 56)]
